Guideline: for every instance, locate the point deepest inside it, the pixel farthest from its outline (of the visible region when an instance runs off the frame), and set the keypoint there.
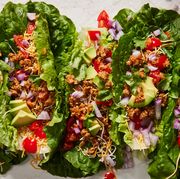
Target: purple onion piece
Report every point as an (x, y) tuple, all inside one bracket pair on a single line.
[(157, 32), (30, 94), (44, 115), (23, 95), (31, 16), (177, 112), (145, 123), (128, 73), (110, 161), (118, 35), (124, 101), (76, 130), (77, 94), (22, 83), (109, 60), (177, 124), (131, 125), (136, 53), (112, 33), (11, 78), (153, 138), (152, 57), (116, 25), (158, 109), (25, 43), (96, 110), (152, 68), (21, 76)]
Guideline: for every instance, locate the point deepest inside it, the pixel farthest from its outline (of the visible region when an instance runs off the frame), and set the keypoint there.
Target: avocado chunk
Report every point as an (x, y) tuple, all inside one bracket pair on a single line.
[(98, 82), (22, 107), (23, 118), (17, 102), (150, 92), (94, 129), (89, 54), (90, 73)]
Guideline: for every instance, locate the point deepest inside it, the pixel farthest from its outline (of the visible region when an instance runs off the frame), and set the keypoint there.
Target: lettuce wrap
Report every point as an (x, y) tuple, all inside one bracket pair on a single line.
[(35, 47), (146, 87)]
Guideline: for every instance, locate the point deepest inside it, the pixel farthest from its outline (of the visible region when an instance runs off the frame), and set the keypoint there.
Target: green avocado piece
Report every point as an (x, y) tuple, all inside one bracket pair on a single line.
[(94, 129), (17, 102), (150, 92), (22, 107), (98, 82), (89, 54), (90, 73), (23, 118)]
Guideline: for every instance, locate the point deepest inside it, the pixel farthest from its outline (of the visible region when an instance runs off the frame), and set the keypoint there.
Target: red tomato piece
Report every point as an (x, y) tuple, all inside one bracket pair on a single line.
[(153, 42), (109, 175), (18, 40), (30, 145), (30, 28), (156, 76), (103, 16), (178, 141), (40, 133), (94, 34), (105, 103), (161, 61), (96, 64), (70, 123), (104, 23), (35, 125)]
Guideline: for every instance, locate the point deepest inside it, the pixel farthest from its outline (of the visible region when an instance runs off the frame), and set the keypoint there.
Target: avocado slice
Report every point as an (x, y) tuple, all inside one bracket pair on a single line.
[(94, 129), (23, 118), (150, 92), (89, 54), (90, 73), (22, 107), (98, 82), (17, 102)]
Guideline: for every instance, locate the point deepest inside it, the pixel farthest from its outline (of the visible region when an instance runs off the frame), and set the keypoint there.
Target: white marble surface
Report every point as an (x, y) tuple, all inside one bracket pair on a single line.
[(84, 14)]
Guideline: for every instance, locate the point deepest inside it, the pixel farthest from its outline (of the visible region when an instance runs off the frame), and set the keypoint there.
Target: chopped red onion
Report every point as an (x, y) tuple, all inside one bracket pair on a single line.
[(44, 115), (177, 112), (177, 124), (76, 130), (118, 35), (152, 68), (157, 32), (146, 122), (116, 25), (21, 76), (158, 109), (124, 101), (6, 60), (96, 110), (31, 16), (131, 125), (153, 138), (110, 161), (77, 94), (22, 83), (11, 78), (152, 57), (112, 33), (25, 43), (128, 73), (30, 94), (109, 59), (145, 134), (136, 53), (23, 95)]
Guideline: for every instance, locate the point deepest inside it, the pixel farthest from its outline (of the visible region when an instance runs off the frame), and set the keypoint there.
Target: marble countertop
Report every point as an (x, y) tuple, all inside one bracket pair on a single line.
[(84, 14)]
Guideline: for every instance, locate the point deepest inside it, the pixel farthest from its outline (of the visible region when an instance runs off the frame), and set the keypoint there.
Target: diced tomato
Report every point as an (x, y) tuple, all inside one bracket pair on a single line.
[(104, 23), (109, 175), (103, 16), (40, 133), (96, 64), (94, 34), (108, 53), (18, 40), (178, 140), (161, 61), (153, 42), (105, 103), (68, 146), (108, 70), (156, 76), (30, 28), (35, 125), (30, 145), (70, 123)]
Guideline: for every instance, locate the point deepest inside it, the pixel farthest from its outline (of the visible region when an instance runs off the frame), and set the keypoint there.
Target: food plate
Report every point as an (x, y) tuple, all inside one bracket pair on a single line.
[(84, 14)]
